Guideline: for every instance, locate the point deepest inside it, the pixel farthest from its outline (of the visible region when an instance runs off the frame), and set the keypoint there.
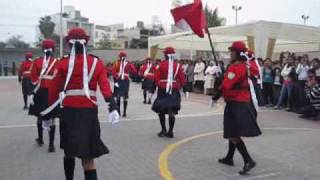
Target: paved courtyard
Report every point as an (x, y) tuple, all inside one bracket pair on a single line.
[(288, 149)]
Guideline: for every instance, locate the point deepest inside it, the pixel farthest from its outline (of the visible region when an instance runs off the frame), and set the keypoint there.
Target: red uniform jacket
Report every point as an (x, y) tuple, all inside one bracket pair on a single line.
[(99, 77), (48, 75), (129, 68), (254, 70), (149, 75), (25, 69), (235, 86), (161, 75)]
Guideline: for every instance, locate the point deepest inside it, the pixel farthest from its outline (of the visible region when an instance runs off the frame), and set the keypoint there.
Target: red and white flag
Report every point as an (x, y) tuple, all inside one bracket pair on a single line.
[(190, 16)]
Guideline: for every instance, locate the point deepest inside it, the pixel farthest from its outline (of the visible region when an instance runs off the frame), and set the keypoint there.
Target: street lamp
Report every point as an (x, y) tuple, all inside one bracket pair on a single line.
[(236, 9), (305, 19), (61, 28)]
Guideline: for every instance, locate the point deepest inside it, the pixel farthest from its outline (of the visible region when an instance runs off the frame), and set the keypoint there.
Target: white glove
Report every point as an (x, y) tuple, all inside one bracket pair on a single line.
[(212, 102), (46, 124), (116, 85), (30, 99), (114, 117)]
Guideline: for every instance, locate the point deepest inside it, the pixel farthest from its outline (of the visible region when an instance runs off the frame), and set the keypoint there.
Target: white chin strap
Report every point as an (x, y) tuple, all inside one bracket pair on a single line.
[(85, 65), (170, 74), (45, 61), (252, 91)]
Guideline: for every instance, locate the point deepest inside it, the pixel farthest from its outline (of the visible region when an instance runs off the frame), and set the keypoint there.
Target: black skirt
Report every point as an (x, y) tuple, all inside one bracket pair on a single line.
[(148, 85), (166, 103), (40, 100), (27, 86), (240, 120), (80, 133), (123, 89)]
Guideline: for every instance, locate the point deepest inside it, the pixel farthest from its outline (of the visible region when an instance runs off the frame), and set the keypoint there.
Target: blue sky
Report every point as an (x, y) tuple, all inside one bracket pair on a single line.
[(21, 16)]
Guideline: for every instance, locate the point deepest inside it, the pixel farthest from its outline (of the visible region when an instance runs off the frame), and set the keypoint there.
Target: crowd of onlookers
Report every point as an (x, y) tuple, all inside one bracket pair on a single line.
[(291, 82)]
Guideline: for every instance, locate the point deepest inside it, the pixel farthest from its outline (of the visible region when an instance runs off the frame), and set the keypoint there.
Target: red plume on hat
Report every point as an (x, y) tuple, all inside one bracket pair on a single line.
[(122, 54), (48, 44), (28, 55), (169, 50), (77, 33), (239, 46)]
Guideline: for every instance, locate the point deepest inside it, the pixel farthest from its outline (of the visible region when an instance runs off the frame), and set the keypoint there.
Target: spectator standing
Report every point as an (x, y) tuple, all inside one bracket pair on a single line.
[(199, 75), (211, 73), (286, 88), (5, 68), (190, 78), (277, 81), (302, 72), (267, 79)]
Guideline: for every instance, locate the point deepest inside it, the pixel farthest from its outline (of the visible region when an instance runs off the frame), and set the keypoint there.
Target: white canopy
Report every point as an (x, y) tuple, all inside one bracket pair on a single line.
[(263, 37)]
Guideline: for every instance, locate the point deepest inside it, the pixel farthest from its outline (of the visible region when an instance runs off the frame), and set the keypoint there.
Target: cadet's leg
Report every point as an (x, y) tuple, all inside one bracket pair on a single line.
[(228, 160), (248, 161), (52, 132), (162, 118), (40, 132), (144, 96), (25, 100), (68, 165), (89, 168), (172, 120), (125, 105)]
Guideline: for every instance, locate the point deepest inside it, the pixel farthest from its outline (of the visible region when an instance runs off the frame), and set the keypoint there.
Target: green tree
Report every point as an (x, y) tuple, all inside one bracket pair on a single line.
[(139, 43), (16, 42), (2, 44), (46, 27), (213, 19), (104, 43)]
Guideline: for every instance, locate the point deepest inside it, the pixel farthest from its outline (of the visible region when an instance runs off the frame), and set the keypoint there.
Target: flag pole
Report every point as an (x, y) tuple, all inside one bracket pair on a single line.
[(212, 47)]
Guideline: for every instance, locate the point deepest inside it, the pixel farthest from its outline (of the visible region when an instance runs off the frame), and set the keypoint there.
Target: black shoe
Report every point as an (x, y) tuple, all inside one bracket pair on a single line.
[(25, 108), (162, 133), (170, 134), (144, 102), (124, 115), (39, 141), (149, 102), (51, 149), (247, 167), (226, 161)]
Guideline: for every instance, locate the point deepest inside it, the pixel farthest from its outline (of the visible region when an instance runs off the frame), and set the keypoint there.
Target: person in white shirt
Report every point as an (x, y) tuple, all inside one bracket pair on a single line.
[(211, 73), (199, 75)]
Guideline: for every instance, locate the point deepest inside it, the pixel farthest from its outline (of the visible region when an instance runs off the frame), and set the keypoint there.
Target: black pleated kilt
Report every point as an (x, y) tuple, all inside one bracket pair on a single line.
[(166, 103), (123, 89), (148, 85), (80, 133), (240, 120), (40, 100), (187, 87), (27, 86)]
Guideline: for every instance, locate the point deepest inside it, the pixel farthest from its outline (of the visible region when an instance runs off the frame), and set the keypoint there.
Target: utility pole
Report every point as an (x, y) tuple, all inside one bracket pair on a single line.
[(236, 9)]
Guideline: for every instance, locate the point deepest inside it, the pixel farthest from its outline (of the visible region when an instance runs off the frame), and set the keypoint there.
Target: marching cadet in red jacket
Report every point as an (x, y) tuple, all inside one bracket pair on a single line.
[(147, 71), (169, 79), (42, 73), (25, 78), (121, 70), (240, 116), (78, 76)]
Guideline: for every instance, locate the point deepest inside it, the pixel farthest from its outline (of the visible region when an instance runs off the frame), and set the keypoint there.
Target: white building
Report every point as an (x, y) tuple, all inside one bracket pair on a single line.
[(73, 19)]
